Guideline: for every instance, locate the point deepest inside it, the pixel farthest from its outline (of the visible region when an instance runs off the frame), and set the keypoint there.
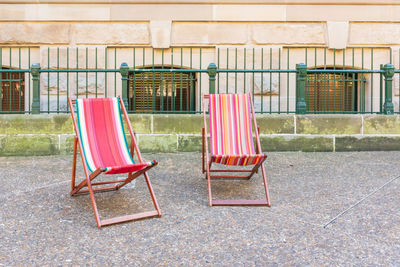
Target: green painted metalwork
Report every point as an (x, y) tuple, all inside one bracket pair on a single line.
[(337, 81), (35, 72), (301, 106), (212, 71), (388, 107), (124, 70)]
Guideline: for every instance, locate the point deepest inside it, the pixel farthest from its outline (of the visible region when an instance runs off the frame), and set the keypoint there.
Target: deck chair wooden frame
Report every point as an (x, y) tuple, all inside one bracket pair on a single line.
[(221, 174), (89, 177)]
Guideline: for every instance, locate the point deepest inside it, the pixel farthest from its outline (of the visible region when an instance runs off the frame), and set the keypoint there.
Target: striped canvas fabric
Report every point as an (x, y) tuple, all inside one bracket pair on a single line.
[(231, 134), (102, 136)]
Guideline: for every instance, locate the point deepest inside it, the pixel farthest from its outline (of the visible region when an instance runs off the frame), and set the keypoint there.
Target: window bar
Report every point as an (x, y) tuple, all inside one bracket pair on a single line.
[(227, 67), (253, 71), (162, 81), (115, 73), (134, 79), (218, 64), (200, 104), (86, 73), (287, 81), (19, 80), (334, 81), (344, 89), (1, 80), (77, 74), (172, 81), (180, 83), (306, 93), (9, 77), (143, 87), (279, 81), (67, 78), (29, 80), (96, 71), (362, 82), (153, 106), (270, 80), (48, 80), (353, 82), (189, 86), (105, 73), (235, 69), (316, 94), (262, 80), (244, 73), (58, 80), (372, 80)]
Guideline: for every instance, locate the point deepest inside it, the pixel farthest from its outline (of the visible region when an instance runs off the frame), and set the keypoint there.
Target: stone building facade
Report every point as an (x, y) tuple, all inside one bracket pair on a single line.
[(191, 34)]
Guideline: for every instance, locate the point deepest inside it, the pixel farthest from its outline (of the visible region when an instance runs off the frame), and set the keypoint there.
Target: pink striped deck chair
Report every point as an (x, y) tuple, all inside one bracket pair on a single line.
[(231, 143), (99, 132)]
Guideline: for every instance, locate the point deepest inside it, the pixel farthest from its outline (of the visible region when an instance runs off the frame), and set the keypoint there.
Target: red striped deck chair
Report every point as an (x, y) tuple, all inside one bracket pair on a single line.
[(100, 134), (231, 143)]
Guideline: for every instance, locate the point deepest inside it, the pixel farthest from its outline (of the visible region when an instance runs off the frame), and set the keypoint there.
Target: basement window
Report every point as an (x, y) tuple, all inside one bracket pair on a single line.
[(12, 94), (162, 91), (332, 92)]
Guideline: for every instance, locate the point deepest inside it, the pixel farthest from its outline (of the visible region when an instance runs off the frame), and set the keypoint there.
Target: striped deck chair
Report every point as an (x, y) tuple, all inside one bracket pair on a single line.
[(100, 134), (231, 143)]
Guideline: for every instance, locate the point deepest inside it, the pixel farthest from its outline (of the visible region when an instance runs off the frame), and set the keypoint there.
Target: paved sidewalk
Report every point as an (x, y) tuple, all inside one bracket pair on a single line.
[(40, 224)]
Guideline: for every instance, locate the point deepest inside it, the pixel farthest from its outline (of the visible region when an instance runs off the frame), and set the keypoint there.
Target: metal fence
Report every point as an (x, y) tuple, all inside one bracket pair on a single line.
[(355, 80)]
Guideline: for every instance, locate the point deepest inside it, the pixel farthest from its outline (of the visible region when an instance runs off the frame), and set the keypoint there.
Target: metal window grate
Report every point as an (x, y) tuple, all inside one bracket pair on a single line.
[(12, 93), (156, 91), (331, 92)]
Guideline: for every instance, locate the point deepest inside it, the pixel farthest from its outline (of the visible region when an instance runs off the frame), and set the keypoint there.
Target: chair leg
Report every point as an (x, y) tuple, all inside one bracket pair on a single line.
[(153, 196), (203, 148), (210, 203), (93, 200), (74, 164), (265, 185)]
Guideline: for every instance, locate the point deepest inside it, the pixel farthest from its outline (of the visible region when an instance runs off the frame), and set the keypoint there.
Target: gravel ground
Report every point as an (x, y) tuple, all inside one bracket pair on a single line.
[(40, 224)]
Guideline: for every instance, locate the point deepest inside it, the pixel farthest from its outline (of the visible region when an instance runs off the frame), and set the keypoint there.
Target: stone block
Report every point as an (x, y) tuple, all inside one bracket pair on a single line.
[(296, 143), (187, 143), (67, 144), (110, 33), (11, 12), (382, 124), (208, 33), (374, 33), (338, 32), (367, 143), (250, 12), (36, 124), (289, 33), (157, 143), (275, 124), (141, 123), (28, 145), (34, 33), (180, 123), (173, 12), (328, 124), (160, 32)]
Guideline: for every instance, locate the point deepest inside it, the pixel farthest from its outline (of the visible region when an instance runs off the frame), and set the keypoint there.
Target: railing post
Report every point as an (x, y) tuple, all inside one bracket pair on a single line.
[(388, 107), (124, 70), (301, 87), (212, 72), (35, 72)]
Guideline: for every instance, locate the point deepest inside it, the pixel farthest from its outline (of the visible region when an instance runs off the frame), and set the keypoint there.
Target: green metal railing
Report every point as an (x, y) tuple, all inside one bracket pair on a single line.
[(355, 80)]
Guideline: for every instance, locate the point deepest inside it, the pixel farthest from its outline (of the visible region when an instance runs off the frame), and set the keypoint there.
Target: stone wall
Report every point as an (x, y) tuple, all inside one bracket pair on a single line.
[(29, 135)]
